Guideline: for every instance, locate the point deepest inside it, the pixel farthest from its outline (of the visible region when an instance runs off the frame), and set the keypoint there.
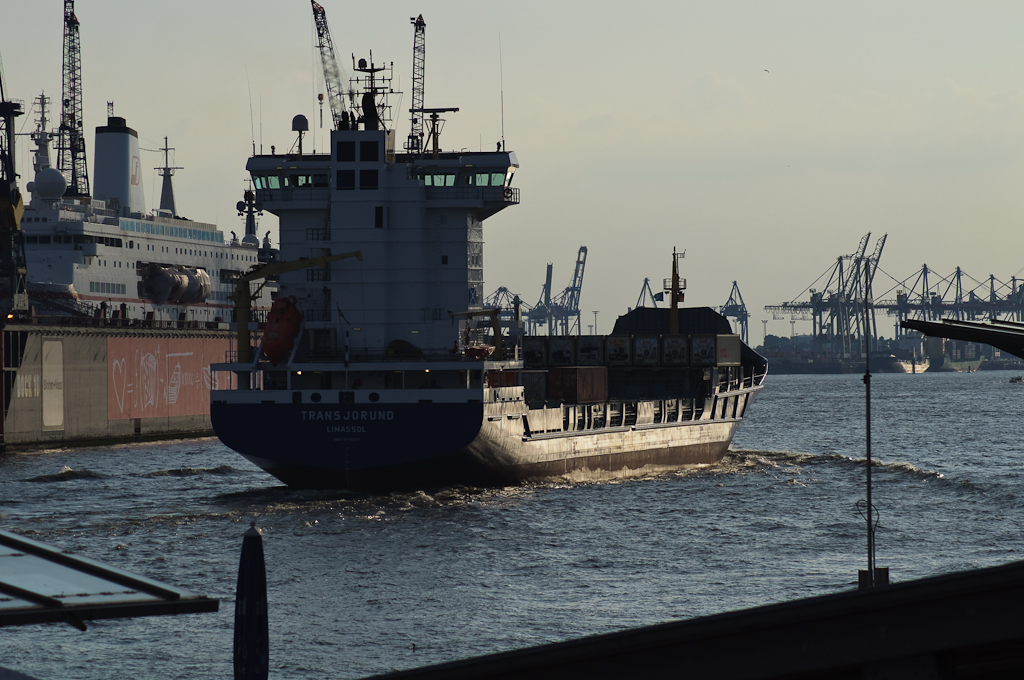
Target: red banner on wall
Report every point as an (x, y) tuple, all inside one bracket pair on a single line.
[(160, 377)]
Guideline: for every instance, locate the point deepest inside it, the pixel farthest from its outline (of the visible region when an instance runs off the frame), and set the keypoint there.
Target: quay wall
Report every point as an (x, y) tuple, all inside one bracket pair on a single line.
[(64, 385)]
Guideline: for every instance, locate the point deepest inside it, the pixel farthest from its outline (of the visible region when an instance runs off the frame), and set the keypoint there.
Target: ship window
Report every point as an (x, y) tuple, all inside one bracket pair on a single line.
[(31, 239), (497, 179), (378, 217), (259, 181), (346, 152), (346, 179), (320, 181), (301, 180), (44, 239), (444, 259), (368, 179), (273, 182), (368, 151), (481, 179)]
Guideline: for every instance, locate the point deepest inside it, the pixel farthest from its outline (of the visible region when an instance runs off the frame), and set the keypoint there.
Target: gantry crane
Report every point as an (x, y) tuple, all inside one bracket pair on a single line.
[(735, 308), (414, 144), (334, 73), (71, 159)]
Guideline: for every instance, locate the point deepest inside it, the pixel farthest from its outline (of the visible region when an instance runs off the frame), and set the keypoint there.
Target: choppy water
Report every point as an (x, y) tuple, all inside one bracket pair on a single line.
[(366, 584)]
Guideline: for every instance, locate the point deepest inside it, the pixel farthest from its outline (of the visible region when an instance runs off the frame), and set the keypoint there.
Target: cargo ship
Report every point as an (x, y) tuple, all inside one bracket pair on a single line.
[(123, 309), (386, 372)]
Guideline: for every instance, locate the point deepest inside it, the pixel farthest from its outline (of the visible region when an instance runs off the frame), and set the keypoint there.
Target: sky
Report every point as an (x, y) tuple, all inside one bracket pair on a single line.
[(764, 139)]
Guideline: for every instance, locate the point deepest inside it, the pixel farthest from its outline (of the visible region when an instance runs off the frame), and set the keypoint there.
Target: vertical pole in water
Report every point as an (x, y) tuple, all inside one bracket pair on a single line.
[(252, 647), (868, 579)]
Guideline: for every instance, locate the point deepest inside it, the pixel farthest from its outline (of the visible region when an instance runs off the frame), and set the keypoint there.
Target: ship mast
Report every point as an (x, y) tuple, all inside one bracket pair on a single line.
[(167, 171)]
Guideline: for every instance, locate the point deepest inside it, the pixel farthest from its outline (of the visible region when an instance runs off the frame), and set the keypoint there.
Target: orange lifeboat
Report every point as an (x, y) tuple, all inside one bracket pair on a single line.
[(282, 328)]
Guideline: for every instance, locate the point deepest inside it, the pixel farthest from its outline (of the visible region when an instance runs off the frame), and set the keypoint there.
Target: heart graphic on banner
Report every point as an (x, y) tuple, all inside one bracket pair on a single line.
[(119, 376)]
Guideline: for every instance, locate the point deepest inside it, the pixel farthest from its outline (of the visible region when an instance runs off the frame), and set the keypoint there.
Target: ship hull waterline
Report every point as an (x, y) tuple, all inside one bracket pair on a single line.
[(403, 447)]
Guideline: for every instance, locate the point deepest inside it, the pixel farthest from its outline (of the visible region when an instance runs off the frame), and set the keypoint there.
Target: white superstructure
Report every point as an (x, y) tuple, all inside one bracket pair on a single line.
[(109, 255)]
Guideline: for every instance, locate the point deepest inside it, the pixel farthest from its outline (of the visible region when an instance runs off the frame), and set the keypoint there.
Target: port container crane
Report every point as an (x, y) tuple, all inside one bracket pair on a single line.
[(735, 308)]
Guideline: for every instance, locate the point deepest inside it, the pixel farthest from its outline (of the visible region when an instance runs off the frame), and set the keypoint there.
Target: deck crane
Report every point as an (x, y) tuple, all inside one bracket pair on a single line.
[(71, 159), (414, 144), (334, 72), (735, 308)]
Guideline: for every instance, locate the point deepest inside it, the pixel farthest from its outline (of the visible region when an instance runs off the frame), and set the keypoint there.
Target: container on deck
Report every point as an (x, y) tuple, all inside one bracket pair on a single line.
[(646, 350), (535, 385), (535, 351), (619, 350), (578, 384), (728, 350), (703, 350), (562, 350), (590, 350), (675, 350)]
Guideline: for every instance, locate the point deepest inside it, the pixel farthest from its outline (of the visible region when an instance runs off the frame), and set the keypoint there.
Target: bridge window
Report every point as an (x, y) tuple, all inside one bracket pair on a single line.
[(346, 152), (346, 179), (368, 179), (369, 152), (497, 179)]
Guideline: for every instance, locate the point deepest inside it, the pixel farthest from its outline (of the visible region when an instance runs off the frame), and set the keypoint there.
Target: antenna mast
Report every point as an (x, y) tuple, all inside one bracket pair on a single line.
[(71, 159), (167, 191)]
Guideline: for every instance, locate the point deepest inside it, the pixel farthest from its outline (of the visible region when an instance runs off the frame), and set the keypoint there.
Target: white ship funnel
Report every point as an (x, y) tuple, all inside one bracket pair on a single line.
[(118, 168)]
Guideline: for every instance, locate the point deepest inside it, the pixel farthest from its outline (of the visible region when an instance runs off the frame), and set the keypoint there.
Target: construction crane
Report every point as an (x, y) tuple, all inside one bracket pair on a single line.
[(71, 159), (12, 207), (414, 144), (735, 308), (334, 73)]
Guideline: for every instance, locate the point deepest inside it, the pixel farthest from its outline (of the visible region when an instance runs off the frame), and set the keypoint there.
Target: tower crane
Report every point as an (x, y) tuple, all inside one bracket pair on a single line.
[(71, 159), (414, 144), (334, 72), (567, 304)]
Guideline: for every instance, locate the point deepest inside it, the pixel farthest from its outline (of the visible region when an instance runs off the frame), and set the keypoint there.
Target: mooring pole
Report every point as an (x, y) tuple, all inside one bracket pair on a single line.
[(252, 647)]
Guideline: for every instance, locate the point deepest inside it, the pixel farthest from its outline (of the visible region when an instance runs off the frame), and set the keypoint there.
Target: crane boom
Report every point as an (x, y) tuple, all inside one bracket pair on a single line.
[(334, 75), (71, 159), (419, 55), (243, 296)]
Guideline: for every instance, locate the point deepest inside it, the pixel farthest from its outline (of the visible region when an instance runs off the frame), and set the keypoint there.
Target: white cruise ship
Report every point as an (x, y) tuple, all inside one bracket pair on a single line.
[(107, 256)]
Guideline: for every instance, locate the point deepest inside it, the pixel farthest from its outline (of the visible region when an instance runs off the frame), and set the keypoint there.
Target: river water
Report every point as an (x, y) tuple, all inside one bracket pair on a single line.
[(360, 585)]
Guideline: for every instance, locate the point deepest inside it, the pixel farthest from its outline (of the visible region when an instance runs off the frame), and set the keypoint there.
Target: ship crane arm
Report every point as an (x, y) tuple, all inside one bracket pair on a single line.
[(243, 294), (334, 75), (494, 314)]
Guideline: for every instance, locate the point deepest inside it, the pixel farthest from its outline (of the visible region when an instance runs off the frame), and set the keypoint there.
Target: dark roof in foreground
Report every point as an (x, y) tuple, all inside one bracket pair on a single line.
[(1005, 335), (40, 584), (963, 625)]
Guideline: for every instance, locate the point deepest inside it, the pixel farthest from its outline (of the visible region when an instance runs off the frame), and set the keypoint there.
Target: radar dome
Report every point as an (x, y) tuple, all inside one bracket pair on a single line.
[(50, 184), (300, 124)]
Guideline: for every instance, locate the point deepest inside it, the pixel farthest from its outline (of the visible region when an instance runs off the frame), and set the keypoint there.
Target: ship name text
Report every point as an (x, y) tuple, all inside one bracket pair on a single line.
[(348, 415)]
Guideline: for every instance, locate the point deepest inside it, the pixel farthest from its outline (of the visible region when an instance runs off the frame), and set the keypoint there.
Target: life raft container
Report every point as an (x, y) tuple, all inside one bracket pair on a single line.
[(281, 330)]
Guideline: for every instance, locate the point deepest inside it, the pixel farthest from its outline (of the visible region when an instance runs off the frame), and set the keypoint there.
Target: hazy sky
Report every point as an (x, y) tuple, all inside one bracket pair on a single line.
[(764, 138)]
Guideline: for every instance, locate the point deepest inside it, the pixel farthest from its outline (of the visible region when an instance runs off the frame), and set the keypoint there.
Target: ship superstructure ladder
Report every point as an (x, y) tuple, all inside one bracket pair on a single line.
[(71, 159)]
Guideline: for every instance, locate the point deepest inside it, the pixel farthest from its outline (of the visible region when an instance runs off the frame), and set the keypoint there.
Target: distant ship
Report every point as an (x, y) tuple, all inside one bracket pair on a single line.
[(394, 376)]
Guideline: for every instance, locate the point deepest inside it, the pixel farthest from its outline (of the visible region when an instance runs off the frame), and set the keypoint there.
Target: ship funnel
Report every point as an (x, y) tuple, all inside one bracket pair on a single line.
[(118, 167)]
